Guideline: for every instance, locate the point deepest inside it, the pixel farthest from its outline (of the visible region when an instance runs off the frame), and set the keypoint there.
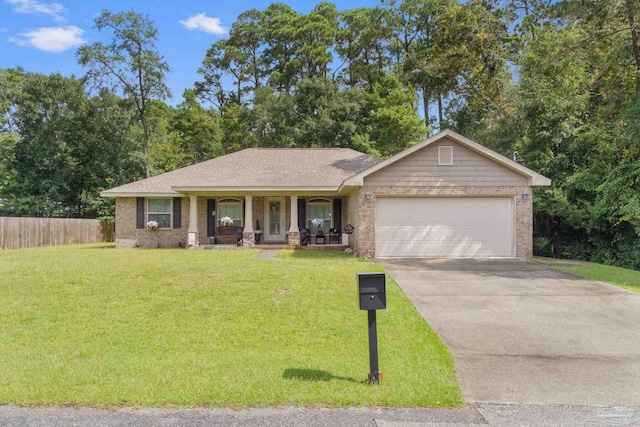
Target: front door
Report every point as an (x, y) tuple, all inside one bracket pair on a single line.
[(274, 217)]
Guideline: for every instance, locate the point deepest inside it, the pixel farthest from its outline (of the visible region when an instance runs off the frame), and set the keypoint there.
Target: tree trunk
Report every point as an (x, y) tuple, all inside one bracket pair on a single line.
[(145, 144), (439, 111), (425, 105), (556, 224), (635, 39), (142, 109)]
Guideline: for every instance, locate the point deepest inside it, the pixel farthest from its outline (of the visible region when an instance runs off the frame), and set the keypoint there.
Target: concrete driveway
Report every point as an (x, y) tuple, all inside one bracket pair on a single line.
[(523, 332)]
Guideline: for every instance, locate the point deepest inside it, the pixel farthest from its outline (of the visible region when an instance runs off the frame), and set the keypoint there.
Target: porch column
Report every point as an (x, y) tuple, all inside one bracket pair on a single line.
[(293, 228), (193, 221), (248, 214), (293, 237)]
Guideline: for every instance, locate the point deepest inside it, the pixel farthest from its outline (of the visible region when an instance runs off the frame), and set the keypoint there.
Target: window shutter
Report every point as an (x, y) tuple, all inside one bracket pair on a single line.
[(211, 220), (302, 214), (140, 212), (244, 210), (337, 214), (177, 212)]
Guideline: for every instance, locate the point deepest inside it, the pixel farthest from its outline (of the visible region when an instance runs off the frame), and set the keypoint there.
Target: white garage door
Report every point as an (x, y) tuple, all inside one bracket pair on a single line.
[(444, 227)]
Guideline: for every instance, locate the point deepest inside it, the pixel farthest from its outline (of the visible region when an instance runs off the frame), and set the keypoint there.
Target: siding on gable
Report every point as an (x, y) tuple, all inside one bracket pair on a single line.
[(469, 168)]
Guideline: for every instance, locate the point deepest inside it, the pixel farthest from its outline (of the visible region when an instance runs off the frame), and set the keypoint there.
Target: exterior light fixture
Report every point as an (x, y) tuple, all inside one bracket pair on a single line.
[(525, 195), (367, 196)]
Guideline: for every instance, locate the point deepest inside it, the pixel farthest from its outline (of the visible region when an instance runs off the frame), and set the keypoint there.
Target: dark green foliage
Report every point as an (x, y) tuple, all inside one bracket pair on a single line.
[(67, 147), (572, 115)]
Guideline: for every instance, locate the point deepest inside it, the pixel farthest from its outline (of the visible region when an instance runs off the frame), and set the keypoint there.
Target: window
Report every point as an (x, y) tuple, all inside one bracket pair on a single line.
[(231, 208), (319, 208), (159, 210), (445, 155)]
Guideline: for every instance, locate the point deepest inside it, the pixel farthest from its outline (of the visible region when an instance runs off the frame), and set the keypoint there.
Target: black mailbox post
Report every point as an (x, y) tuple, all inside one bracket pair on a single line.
[(372, 295)]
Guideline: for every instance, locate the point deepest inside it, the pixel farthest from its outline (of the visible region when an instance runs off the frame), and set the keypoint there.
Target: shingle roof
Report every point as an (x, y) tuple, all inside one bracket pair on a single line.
[(255, 168)]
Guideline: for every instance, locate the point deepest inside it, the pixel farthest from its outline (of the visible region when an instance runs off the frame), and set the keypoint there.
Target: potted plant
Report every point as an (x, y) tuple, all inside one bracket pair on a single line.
[(153, 226), (319, 223), (257, 232)]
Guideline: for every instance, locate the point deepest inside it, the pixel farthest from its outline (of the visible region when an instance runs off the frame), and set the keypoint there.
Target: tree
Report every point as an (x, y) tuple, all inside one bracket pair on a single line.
[(316, 33), (325, 115), (415, 25), (199, 130), (130, 62), (246, 35), (282, 42), (108, 157), (362, 42), (238, 128), (49, 114), (223, 57), (65, 148), (391, 118)]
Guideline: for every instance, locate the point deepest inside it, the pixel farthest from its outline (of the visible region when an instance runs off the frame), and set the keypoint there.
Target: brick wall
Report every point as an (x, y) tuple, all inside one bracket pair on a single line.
[(127, 235), (352, 217), (365, 230), (258, 211)]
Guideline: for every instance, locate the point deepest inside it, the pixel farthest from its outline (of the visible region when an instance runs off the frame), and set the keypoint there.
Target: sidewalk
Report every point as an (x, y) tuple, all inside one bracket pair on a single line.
[(473, 415)]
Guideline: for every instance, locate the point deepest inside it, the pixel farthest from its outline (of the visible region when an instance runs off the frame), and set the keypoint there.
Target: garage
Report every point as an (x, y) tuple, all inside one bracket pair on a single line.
[(451, 227)]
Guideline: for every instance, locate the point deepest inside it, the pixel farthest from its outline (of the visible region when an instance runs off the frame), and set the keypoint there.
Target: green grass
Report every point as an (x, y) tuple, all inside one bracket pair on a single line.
[(315, 255), (623, 277), (95, 326)]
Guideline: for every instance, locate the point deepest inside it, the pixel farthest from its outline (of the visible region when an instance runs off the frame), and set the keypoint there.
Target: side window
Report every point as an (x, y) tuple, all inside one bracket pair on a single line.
[(159, 210)]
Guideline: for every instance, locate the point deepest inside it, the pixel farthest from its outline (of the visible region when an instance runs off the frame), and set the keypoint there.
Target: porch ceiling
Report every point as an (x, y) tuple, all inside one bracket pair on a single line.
[(272, 193)]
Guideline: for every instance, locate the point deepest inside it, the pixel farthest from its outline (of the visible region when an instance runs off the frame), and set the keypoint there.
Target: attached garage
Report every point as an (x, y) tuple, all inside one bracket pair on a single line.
[(444, 227), (445, 197)]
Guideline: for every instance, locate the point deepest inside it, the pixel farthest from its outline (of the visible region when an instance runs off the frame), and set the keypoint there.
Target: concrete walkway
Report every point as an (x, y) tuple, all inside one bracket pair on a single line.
[(270, 255), (475, 415), (522, 332)]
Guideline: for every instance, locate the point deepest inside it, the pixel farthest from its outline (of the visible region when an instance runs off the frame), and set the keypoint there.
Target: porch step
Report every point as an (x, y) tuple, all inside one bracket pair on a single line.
[(276, 247)]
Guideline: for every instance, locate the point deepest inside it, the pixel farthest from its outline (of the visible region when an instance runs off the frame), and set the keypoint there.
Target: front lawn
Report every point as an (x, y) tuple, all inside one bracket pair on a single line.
[(623, 277), (92, 325)]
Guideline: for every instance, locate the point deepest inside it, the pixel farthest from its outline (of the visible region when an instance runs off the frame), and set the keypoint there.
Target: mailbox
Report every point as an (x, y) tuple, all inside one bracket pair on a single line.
[(372, 291)]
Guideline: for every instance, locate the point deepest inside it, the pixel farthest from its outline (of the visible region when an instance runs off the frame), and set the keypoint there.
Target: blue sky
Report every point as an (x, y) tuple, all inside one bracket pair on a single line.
[(42, 36)]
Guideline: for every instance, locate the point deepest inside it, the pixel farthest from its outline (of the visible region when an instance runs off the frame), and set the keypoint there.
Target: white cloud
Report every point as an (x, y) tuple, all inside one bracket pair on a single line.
[(202, 22), (54, 10), (51, 39), (3, 30)]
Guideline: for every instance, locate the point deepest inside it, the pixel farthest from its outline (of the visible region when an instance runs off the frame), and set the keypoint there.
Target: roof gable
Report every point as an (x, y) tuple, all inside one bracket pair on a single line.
[(534, 178), (425, 168)]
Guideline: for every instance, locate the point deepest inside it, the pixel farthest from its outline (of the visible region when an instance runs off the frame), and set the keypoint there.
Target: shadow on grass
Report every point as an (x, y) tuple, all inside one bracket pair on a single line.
[(314, 375)]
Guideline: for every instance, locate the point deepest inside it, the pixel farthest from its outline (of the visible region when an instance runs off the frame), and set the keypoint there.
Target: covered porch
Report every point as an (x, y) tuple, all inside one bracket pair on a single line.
[(269, 220)]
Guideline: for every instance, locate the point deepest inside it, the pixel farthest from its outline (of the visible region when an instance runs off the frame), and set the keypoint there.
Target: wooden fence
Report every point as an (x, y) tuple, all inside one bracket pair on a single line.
[(16, 233)]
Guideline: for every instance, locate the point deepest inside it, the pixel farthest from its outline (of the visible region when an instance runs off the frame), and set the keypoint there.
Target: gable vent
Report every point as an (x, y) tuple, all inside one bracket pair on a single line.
[(445, 155)]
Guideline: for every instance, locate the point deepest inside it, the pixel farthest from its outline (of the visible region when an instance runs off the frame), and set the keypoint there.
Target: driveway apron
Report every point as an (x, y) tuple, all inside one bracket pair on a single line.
[(523, 332)]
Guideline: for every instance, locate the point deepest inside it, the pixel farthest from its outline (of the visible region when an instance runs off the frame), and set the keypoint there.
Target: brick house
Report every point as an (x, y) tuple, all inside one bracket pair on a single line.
[(446, 196)]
